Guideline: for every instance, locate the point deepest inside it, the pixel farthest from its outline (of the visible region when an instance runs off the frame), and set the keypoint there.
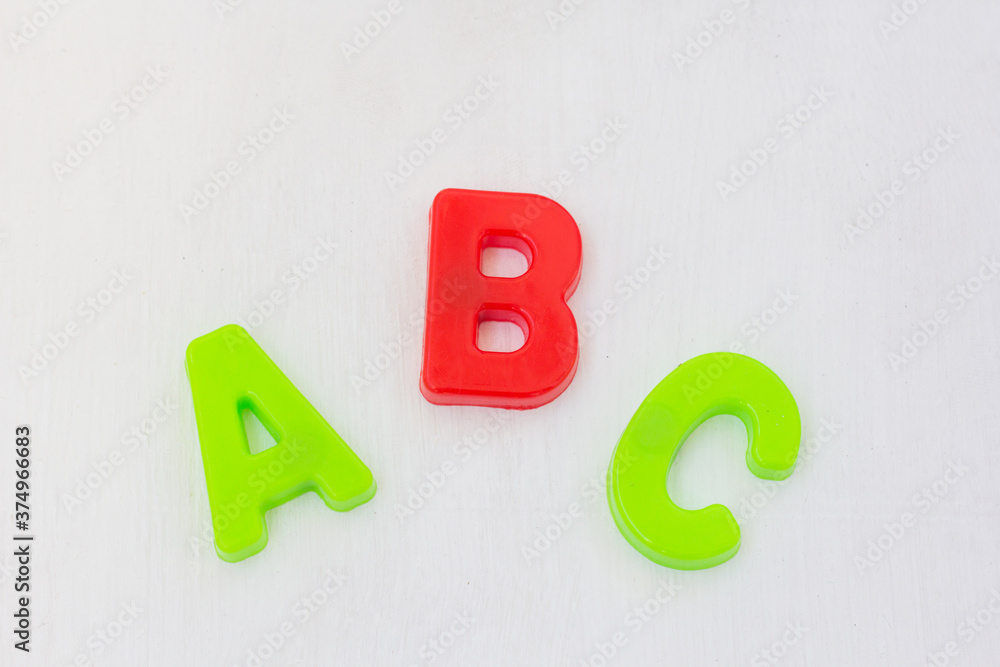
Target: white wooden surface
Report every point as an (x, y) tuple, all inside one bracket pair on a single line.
[(137, 550)]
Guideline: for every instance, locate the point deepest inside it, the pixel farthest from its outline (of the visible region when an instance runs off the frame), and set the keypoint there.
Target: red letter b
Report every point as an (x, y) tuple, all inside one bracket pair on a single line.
[(459, 297)]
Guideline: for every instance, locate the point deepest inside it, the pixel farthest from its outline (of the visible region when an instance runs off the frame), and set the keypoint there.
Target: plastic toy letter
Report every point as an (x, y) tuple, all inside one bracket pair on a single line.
[(230, 373), (706, 386), (460, 297)]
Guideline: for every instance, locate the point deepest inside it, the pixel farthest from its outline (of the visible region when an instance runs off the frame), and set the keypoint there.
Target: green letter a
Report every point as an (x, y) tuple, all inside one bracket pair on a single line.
[(230, 373)]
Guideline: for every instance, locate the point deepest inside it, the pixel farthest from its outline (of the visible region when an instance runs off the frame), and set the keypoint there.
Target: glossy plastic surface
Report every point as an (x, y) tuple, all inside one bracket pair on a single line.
[(230, 373), (706, 386), (455, 371)]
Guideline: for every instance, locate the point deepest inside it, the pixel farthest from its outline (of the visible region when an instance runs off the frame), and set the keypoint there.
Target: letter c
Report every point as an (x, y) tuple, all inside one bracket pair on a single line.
[(637, 477)]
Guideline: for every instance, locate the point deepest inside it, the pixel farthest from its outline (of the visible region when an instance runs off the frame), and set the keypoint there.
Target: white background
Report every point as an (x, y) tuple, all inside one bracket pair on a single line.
[(138, 538)]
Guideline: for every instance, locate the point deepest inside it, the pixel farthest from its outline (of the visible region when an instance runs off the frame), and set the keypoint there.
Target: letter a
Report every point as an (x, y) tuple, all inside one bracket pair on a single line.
[(230, 373), (460, 297)]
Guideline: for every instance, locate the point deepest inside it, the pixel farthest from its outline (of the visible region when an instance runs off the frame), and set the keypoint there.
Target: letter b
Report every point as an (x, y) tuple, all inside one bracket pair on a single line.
[(455, 371)]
